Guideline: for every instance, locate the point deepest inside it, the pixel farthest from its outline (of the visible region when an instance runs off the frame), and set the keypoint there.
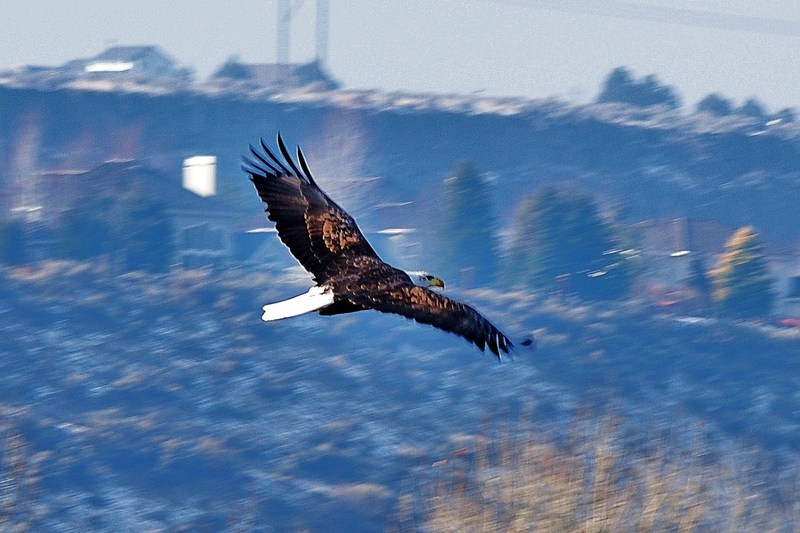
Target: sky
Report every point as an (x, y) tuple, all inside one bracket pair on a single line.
[(526, 48)]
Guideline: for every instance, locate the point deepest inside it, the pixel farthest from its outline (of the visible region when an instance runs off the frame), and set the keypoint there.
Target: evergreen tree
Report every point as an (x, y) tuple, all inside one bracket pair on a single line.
[(699, 281), (147, 241), (467, 247), (787, 114), (562, 242), (715, 104), (742, 285), (12, 241), (752, 108), (133, 231), (620, 86), (82, 234)]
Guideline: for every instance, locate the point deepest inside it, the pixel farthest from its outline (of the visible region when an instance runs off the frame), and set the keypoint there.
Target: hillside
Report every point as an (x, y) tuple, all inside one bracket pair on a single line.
[(162, 402), (641, 162)]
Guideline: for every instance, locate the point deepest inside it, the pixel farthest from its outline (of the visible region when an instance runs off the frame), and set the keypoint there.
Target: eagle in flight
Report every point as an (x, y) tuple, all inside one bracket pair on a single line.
[(348, 273)]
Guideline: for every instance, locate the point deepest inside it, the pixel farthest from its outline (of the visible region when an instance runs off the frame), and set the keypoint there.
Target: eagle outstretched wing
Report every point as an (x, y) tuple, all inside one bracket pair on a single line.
[(327, 242), (314, 228), (428, 307)]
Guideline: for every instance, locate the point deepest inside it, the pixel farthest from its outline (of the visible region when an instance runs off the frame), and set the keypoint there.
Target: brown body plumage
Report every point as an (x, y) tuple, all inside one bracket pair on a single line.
[(328, 244)]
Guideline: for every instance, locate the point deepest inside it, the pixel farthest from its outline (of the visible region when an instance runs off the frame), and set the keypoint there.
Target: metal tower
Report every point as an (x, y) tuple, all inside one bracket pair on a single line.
[(286, 10), (323, 21)]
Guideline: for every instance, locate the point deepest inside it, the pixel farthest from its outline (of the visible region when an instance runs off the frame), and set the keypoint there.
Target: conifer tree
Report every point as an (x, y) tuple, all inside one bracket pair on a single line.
[(742, 285), (11, 242), (467, 244), (699, 281), (561, 239)]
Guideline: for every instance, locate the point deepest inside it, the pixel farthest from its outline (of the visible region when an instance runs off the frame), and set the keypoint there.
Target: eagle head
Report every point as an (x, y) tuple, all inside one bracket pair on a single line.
[(423, 279)]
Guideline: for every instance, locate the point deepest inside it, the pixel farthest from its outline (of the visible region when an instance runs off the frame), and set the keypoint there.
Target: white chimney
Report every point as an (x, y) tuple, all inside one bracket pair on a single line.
[(200, 175)]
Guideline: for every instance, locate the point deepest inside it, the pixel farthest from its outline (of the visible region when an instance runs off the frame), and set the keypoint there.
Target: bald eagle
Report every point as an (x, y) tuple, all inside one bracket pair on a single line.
[(348, 273)]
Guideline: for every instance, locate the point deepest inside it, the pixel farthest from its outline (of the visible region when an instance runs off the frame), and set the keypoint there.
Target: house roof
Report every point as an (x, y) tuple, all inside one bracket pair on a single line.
[(277, 74), (150, 60), (132, 53)]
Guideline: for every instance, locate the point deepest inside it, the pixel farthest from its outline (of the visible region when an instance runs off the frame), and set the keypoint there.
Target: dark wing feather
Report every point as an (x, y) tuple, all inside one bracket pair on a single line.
[(288, 158), (314, 228), (428, 307)]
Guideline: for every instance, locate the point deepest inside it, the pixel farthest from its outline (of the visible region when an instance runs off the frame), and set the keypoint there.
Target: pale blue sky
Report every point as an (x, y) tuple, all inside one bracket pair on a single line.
[(530, 48)]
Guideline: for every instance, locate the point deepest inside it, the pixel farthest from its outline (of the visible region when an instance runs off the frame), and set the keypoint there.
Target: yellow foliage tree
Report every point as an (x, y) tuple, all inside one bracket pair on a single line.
[(742, 285)]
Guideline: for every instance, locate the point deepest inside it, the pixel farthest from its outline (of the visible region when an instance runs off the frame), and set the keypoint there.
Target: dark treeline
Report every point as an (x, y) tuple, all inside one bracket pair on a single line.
[(631, 163), (639, 164)]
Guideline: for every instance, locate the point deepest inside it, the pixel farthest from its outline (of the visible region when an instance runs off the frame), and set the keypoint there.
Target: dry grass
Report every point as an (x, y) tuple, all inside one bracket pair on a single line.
[(590, 484), (18, 479)]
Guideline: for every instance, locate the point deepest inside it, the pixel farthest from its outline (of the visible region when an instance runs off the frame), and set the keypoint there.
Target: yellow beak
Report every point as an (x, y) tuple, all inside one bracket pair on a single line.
[(437, 282)]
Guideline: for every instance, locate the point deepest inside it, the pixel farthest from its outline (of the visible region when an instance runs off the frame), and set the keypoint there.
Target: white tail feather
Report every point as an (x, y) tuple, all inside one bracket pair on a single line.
[(316, 298)]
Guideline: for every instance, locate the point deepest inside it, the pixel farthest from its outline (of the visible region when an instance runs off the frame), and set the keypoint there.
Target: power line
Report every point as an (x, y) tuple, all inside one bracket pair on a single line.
[(668, 15)]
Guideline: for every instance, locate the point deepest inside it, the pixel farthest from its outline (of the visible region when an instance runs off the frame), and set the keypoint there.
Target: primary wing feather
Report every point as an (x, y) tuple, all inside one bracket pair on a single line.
[(428, 307), (314, 228)]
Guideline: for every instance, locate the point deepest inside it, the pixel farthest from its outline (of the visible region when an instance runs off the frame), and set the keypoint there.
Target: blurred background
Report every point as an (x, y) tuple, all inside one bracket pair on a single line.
[(619, 182)]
